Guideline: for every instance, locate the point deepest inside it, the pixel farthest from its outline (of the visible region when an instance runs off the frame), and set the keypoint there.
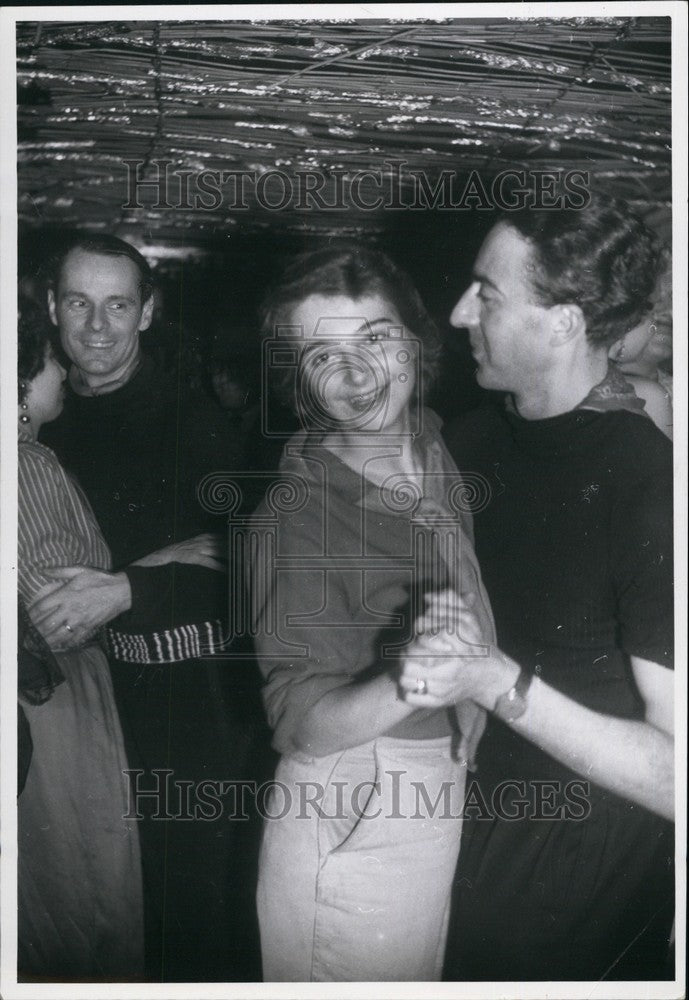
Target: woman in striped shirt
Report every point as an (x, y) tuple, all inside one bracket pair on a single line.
[(79, 868)]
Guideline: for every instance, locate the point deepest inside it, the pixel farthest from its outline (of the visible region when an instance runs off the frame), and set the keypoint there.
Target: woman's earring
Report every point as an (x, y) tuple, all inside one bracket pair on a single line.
[(24, 417), (619, 353)]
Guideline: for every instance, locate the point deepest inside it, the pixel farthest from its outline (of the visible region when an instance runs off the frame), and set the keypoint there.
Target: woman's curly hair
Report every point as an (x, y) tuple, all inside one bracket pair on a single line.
[(34, 334)]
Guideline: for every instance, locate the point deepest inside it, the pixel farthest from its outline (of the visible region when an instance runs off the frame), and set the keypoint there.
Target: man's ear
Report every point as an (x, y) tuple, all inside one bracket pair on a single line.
[(566, 323), (51, 306), (146, 314)]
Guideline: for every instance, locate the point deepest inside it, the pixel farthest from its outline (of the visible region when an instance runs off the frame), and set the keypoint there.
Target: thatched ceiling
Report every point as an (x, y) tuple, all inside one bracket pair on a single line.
[(462, 94)]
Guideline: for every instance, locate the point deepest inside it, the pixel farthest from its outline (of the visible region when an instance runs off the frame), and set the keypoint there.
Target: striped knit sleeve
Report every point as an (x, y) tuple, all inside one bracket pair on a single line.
[(55, 528)]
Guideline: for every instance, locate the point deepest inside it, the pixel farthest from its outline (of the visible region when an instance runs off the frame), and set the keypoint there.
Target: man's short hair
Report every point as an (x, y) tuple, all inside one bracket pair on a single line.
[(352, 271), (602, 258), (107, 246)]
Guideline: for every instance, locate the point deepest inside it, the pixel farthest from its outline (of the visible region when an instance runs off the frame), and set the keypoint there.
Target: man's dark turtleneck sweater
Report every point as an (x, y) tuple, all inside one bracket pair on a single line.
[(139, 452)]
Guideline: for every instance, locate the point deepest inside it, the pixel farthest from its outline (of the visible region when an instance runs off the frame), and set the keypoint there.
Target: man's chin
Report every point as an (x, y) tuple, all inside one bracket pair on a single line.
[(96, 366), (482, 376)]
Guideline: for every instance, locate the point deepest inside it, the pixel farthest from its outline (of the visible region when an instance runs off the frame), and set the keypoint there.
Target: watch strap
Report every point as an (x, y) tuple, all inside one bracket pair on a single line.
[(512, 704)]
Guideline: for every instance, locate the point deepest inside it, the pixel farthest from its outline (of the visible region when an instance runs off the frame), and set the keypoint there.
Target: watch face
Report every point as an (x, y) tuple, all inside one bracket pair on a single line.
[(510, 706)]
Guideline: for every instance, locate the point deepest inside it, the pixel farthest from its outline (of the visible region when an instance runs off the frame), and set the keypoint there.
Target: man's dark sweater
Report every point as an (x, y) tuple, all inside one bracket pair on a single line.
[(575, 549), (139, 453)]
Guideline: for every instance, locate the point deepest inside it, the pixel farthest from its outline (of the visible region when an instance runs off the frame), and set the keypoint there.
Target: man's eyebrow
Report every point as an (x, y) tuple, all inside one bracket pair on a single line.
[(484, 280), (85, 295)]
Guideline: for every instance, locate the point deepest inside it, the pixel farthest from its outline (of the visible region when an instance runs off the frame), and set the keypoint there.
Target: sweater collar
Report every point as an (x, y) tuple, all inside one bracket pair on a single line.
[(567, 433), (81, 388)]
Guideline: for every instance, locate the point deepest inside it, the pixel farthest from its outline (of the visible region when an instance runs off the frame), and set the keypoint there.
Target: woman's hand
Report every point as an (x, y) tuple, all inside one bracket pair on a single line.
[(471, 719), (450, 661), (202, 550), (70, 614)]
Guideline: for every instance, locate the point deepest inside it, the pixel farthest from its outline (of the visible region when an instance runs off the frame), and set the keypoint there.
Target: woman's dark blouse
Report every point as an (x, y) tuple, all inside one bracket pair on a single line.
[(336, 595)]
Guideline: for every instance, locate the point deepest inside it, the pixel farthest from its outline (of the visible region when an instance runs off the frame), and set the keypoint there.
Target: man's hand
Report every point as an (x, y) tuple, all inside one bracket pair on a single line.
[(202, 550), (451, 659), (70, 614)]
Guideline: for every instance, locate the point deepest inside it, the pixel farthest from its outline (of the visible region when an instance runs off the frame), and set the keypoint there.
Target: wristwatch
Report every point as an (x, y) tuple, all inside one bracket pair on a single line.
[(511, 705)]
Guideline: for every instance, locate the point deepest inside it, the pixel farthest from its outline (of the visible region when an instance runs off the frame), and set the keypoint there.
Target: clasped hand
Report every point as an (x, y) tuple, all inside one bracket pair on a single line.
[(85, 598), (71, 612), (444, 666), (446, 662)]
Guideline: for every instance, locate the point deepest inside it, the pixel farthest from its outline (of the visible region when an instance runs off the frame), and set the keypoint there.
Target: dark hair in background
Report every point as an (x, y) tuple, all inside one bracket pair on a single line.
[(34, 334), (108, 246), (355, 272), (602, 258)]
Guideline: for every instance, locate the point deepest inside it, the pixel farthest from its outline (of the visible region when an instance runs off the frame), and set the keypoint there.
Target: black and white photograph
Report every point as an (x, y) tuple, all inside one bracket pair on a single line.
[(343, 533)]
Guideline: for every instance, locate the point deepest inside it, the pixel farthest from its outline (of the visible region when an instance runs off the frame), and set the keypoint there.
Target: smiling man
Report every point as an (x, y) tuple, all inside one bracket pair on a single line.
[(575, 548), (101, 304), (139, 443)]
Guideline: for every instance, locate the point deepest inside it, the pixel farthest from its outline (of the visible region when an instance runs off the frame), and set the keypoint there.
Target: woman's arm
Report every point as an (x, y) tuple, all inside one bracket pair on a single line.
[(657, 401), (351, 715), (315, 703), (56, 528)]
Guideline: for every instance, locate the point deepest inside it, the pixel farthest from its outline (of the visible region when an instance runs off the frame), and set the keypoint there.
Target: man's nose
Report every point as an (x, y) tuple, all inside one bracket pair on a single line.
[(97, 318), (466, 312)]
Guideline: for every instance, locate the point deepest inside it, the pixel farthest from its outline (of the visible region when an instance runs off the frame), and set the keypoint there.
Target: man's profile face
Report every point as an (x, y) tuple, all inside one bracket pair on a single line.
[(508, 329), (97, 306)]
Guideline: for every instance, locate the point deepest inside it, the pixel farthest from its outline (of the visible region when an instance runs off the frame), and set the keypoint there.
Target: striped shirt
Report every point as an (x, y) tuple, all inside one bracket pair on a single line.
[(56, 524)]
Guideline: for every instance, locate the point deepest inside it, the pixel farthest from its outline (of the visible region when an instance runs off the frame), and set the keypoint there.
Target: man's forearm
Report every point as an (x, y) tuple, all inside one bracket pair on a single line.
[(633, 759)]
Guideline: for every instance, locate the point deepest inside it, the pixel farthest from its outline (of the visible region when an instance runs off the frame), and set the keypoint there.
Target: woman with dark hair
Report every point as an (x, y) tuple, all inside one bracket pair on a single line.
[(369, 521), (79, 871), (644, 353)]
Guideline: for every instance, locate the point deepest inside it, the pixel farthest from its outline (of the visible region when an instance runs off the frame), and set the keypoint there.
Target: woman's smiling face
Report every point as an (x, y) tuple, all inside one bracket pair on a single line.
[(358, 366)]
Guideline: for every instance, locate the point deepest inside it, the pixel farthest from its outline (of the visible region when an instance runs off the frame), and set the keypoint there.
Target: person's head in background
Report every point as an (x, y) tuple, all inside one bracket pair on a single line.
[(647, 347), (234, 382), (100, 296), (40, 374)]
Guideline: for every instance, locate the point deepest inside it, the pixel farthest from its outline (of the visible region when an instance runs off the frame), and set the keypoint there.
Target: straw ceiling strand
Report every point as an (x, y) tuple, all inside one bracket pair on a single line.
[(461, 95)]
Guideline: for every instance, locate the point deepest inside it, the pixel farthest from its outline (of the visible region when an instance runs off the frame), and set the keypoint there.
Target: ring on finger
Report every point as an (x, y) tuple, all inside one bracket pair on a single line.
[(421, 687)]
